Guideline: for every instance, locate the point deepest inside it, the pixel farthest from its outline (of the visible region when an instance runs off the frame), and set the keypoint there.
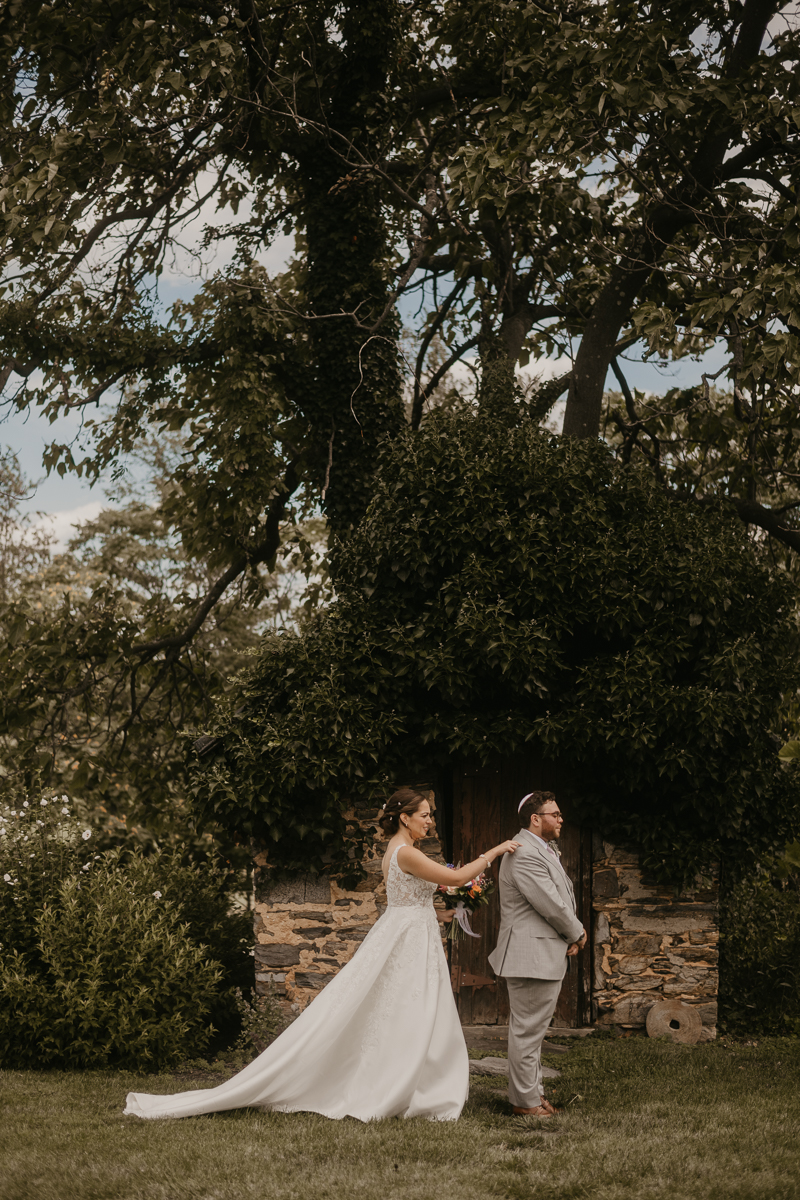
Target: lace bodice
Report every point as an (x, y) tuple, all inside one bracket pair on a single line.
[(406, 891)]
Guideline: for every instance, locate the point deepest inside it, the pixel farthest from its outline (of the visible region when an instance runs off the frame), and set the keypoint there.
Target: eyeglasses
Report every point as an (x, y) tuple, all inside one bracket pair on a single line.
[(555, 815)]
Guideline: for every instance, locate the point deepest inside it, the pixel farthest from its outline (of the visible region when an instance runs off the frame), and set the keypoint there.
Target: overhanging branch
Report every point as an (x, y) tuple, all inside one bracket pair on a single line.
[(753, 513), (268, 548)]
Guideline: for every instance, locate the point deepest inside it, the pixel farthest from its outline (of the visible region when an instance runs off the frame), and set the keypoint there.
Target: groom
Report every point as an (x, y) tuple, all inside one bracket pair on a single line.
[(538, 932)]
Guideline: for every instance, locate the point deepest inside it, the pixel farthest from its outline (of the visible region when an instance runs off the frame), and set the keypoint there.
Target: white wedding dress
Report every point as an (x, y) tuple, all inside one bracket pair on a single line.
[(382, 1040)]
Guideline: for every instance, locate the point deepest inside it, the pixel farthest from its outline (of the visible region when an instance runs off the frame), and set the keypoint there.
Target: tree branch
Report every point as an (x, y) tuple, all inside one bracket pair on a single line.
[(543, 399), (440, 93), (269, 546), (439, 375), (659, 228), (626, 391), (420, 393), (417, 252), (770, 179), (95, 394), (13, 366), (763, 148), (753, 513)]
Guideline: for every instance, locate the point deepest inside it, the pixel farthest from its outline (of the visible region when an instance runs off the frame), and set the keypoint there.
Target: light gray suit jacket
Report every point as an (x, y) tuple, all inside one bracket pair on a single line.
[(537, 914)]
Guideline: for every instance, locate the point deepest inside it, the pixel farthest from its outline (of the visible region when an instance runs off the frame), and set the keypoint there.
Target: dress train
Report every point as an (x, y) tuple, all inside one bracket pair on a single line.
[(383, 1039)]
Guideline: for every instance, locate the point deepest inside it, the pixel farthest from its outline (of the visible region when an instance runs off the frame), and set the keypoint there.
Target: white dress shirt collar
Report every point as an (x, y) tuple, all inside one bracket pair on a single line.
[(540, 840)]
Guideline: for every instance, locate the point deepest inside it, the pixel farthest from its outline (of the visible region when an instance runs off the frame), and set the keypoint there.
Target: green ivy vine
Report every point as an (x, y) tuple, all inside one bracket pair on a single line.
[(509, 589)]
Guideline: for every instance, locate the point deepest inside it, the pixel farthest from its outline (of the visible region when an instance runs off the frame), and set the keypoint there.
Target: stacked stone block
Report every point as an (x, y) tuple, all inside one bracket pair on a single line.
[(650, 944), (308, 927)]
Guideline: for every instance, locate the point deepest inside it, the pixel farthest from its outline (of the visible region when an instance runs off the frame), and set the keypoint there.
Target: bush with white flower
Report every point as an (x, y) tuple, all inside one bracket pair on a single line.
[(39, 847), (110, 959)]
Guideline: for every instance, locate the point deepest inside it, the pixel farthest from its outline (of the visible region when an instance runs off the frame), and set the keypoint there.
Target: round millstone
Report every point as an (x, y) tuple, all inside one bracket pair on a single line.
[(676, 1020)]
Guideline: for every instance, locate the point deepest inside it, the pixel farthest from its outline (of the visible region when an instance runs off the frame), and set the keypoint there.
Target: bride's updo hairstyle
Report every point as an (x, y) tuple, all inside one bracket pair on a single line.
[(405, 800)]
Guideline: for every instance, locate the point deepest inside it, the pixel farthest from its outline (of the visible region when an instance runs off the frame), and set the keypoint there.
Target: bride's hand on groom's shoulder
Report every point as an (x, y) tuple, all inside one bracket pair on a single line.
[(506, 847)]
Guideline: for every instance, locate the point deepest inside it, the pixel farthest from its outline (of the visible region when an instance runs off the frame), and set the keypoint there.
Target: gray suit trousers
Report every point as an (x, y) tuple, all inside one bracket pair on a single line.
[(532, 1003)]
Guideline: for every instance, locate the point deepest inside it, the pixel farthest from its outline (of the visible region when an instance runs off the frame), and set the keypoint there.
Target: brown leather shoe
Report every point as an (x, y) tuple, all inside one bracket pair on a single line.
[(539, 1111)]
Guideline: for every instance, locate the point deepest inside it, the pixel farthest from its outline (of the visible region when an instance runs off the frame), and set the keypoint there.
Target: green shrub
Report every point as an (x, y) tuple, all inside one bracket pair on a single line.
[(201, 898), (41, 844), (106, 959), (760, 955), (117, 981), (262, 1020)]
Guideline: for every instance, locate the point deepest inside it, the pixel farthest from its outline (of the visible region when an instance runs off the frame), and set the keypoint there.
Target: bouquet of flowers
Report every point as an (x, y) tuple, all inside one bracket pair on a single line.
[(465, 900)]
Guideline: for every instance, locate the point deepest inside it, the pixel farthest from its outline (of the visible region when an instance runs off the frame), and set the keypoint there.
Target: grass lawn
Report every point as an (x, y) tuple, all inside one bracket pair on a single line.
[(643, 1120)]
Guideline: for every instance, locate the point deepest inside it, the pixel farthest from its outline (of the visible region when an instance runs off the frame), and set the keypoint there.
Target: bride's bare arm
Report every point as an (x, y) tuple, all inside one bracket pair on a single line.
[(414, 862)]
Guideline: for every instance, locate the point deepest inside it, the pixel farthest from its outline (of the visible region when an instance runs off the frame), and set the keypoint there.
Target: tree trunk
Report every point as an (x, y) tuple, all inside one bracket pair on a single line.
[(659, 228), (356, 395), (611, 312)]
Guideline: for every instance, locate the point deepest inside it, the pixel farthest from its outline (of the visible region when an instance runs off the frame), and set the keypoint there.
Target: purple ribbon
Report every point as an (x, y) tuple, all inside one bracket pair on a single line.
[(462, 916)]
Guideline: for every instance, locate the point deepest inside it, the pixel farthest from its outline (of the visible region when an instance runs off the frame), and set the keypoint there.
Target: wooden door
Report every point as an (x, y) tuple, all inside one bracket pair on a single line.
[(484, 812)]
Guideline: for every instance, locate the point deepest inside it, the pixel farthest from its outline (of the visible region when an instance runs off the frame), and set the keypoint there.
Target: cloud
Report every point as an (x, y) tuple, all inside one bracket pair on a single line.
[(61, 525), (544, 369)]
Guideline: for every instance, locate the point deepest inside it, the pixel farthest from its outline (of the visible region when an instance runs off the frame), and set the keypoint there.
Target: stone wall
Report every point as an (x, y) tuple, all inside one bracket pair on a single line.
[(307, 928), (650, 944)]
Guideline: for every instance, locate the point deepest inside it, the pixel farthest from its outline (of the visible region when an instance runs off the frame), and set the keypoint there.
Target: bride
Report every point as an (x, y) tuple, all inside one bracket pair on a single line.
[(383, 1039)]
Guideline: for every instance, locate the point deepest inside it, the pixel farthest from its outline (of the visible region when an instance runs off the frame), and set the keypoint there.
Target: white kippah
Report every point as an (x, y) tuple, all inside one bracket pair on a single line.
[(522, 801)]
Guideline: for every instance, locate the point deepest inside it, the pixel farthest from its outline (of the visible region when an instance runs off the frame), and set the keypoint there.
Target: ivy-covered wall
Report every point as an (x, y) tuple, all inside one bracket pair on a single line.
[(508, 588)]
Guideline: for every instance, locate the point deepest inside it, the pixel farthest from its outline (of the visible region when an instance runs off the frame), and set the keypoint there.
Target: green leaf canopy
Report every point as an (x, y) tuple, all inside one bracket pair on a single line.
[(509, 589)]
